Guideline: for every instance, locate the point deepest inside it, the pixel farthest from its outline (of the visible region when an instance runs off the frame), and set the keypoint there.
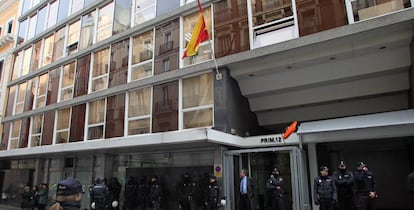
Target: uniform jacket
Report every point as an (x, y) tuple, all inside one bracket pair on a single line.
[(272, 183), (154, 194), (213, 193), (70, 205), (43, 196), (344, 182), (365, 181), (324, 188)]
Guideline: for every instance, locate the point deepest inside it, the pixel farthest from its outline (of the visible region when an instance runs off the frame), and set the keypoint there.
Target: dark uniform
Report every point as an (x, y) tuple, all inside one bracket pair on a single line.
[(130, 194), (114, 191), (142, 191), (410, 183), (99, 195), (213, 195), (344, 181), (154, 195), (188, 190), (274, 186), (365, 188), (65, 191), (325, 190)]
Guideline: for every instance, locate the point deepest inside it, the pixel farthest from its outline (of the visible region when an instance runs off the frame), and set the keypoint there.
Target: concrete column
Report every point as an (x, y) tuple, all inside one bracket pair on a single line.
[(313, 170)]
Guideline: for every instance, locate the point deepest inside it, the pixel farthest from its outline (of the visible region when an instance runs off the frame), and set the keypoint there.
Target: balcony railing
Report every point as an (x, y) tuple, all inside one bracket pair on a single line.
[(167, 46)]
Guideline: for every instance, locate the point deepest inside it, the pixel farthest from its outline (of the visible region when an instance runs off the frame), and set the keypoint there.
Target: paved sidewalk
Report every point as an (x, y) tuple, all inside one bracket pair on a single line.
[(3, 207)]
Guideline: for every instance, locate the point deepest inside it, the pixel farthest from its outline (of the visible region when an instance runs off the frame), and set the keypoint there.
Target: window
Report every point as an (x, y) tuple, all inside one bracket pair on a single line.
[(198, 102), (165, 6), (144, 10), (15, 134), (9, 27), (77, 127), (115, 115), (87, 30), (1, 70), (63, 10), (21, 93), (37, 127), (29, 95), (167, 47), (35, 60), (142, 56), (53, 88), (26, 61), (62, 125), (41, 20), (204, 50), (47, 51), (11, 100), (0, 30), (53, 13), (100, 70), (119, 63), (122, 15), (32, 27), (68, 76), (48, 122), (77, 5), (105, 20), (73, 37), (59, 44), (370, 8), (18, 58), (22, 31), (82, 75), (96, 119), (5, 136), (165, 107), (26, 6), (41, 92), (139, 111)]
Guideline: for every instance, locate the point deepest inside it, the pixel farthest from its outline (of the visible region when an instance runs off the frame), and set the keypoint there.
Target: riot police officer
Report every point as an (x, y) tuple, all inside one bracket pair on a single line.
[(130, 194), (344, 180), (365, 187), (213, 196), (154, 195), (325, 193), (99, 195), (142, 191), (274, 186), (188, 190), (114, 191)]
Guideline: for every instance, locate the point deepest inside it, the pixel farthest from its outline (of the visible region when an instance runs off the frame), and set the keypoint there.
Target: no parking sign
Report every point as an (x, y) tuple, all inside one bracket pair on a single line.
[(218, 170)]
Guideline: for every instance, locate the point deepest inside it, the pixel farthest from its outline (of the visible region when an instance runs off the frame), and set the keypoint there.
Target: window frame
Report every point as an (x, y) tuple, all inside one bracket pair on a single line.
[(11, 138), (37, 96), (72, 86), (16, 103), (56, 131), (141, 117), (31, 134), (92, 78), (9, 26), (103, 123), (131, 66)]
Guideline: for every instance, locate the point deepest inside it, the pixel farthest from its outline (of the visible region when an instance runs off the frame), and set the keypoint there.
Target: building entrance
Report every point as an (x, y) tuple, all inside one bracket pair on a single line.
[(291, 165)]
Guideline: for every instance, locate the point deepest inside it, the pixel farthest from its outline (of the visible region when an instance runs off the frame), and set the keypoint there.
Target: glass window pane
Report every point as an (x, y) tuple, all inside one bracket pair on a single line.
[(198, 118), (34, 65), (266, 11), (122, 15), (99, 84), (204, 51), (141, 71), (26, 6), (41, 20), (139, 102), (49, 122), (167, 39), (115, 114), (30, 93), (119, 63), (88, 25), (232, 14), (68, 75), (17, 65), (77, 126), (101, 62), (53, 86), (63, 10), (26, 61), (22, 31), (165, 107), (4, 143), (95, 132), (62, 137), (59, 44), (88, 2), (96, 112), (144, 10), (198, 91), (10, 101), (37, 127), (139, 126), (82, 75), (73, 37), (165, 6), (16, 129), (76, 5), (47, 50), (24, 133), (53, 13), (370, 8), (63, 119), (142, 47), (105, 20), (32, 27)]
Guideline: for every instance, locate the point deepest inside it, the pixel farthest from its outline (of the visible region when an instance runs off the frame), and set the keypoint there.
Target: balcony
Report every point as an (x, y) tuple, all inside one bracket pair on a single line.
[(6, 39), (145, 55), (167, 46)]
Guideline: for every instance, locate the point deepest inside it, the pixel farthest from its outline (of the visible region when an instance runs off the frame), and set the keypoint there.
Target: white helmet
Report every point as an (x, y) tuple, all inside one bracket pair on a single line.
[(223, 202), (93, 205), (115, 204)]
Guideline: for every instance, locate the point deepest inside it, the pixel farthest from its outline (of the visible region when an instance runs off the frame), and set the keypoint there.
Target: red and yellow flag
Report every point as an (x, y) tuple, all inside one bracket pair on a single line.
[(200, 34)]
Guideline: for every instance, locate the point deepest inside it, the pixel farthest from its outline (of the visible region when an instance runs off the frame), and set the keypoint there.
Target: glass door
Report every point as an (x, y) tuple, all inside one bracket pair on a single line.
[(260, 163)]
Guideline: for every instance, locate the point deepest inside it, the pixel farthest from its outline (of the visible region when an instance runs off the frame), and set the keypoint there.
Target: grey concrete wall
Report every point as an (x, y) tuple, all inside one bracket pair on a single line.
[(231, 109), (411, 93)]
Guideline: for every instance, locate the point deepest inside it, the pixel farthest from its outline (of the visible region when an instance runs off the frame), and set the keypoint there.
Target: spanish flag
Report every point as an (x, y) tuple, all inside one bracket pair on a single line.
[(200, 34)]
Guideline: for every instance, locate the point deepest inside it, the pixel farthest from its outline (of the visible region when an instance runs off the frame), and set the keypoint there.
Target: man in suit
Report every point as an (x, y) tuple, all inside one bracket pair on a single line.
[(247, 188)]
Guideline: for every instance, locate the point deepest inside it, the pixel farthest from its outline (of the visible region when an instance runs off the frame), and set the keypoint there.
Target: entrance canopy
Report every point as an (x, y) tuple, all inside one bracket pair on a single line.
[(382, 125)]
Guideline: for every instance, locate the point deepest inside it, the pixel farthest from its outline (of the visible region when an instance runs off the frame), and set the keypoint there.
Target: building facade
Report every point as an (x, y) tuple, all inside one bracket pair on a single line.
[(98, 89)]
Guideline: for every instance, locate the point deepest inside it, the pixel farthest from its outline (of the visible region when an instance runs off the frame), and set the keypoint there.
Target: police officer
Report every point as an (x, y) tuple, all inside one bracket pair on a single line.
[(68, 195), (114, 191), (142, 191), (188, 190), (274, 185), (344, 180), (154, 195), (365, 187), (130, 194), (99, 195), (325, 193), (213, 196)]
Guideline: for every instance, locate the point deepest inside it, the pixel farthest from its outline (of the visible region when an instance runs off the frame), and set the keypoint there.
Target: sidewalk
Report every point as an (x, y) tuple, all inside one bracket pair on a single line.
[(3, 207)]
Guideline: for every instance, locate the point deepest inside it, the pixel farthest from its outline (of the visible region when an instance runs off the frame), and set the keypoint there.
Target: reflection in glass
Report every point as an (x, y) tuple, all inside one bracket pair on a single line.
[(105, 20), (14, 140), (67, 81), (144, 10), (73, 37), (32, 27), (138, 126), (119, 63), (167, 47), (63, 121), (48, 50), (10, 100), (53, 13), (88, 25), (371, 8), (53, 86), (63, 10), (122, 20), (165, 107), (41, 91), (26, 61), (139, 102), (198, 118), (36, 56), (59, 45), (96, 119), (142, 47), (82, 75), (37, 125), (141, 71), (115, 114), (198, 91), (17, 65), (77, 126), (100, 70), (41, 20), (76, 5), (22, 31)]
